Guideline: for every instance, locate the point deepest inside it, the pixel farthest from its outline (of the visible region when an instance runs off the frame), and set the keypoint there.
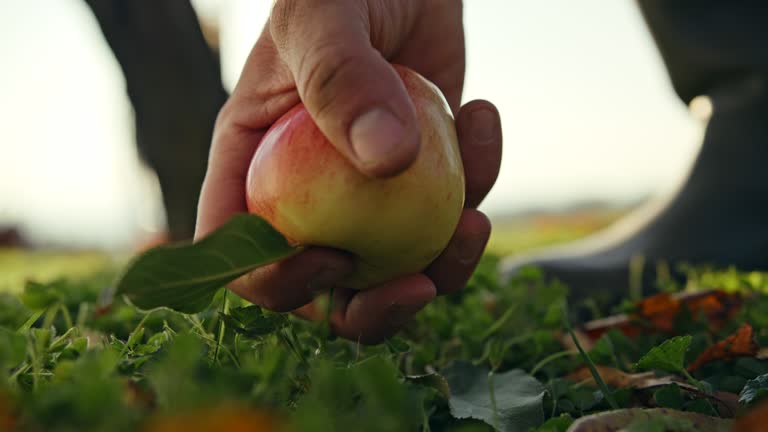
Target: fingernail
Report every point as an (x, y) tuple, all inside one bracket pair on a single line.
[(326, 279), (482, 125), (470, 249), (398, 315), (375, 136)]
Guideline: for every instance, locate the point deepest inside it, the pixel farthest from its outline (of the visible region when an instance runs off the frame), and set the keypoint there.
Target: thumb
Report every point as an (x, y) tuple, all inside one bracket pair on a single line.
[(351, 91)]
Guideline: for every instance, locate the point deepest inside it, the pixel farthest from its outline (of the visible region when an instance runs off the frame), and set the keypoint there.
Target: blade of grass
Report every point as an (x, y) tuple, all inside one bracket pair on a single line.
[(543, 362), (590, 364), (65, 314), (31, 321), (499, 323)]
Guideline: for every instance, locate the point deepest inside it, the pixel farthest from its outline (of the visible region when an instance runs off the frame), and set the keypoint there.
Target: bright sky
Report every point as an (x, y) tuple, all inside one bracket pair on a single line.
[(587, 109)]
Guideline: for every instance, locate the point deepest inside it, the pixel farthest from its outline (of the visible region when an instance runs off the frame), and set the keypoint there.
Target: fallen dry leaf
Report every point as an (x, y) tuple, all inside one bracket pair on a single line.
[(728, 402), (658, 313), (586, 342), (740, 344), (612, 377)]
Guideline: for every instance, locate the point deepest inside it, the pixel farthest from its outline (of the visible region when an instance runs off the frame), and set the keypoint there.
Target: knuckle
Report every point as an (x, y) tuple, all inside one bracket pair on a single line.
[(280, 19), (322, 73)]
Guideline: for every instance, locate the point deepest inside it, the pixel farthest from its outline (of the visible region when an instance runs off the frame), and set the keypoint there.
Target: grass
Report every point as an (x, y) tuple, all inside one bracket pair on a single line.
[(516, 234), (494, 356)]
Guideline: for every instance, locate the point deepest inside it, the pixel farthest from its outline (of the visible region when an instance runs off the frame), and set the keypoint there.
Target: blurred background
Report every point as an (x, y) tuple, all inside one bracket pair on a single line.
[(591, 125)]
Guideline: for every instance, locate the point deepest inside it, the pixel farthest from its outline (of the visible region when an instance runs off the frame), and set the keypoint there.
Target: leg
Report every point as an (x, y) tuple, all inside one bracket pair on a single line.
[(720, 215), (173, 81)]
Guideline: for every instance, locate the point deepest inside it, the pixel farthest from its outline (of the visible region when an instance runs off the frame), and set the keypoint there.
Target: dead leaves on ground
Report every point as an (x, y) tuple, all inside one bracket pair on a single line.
[(740, 344), (648, 381), (659, 312), (612, 377)]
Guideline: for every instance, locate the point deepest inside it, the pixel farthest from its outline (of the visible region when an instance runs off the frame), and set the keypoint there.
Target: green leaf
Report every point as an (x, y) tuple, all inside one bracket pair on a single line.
[(516, 404), (668, 357), (754, 390), (252, 321), (603, 351), (185, 277)]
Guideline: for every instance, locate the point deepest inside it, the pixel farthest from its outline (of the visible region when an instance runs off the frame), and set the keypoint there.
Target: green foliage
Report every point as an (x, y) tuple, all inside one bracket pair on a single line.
[(370, 392), (491, 353), (253, 321)]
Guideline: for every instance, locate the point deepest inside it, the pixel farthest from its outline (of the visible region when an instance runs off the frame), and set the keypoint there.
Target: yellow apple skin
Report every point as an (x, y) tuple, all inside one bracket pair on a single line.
[(394, 226)]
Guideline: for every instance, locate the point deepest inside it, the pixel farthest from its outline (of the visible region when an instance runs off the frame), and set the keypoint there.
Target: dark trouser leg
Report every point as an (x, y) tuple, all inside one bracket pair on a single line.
[(173, 80), (720, 216)]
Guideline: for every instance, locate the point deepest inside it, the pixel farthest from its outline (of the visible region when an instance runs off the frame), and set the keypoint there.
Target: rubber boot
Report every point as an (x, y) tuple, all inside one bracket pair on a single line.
[(719, 216)]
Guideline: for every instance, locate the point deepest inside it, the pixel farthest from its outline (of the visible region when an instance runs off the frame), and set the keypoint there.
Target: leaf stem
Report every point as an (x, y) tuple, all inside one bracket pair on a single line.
[(499, 323), (492, 392), (31, 321)]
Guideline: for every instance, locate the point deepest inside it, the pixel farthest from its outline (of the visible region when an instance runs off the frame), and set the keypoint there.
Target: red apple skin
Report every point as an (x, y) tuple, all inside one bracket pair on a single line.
[(309, 192)]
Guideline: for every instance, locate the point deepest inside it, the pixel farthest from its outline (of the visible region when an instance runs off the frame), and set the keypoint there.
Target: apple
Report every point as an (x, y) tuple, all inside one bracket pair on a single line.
[(306, 189)]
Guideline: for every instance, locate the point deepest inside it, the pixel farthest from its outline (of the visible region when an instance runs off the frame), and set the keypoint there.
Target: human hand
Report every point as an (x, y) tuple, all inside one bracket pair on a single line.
[(323, 53)]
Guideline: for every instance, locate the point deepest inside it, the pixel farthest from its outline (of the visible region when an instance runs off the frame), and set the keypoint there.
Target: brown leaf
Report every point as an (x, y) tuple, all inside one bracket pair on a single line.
[(612, 377), (740, 344), (728, 402), (658, 313)]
